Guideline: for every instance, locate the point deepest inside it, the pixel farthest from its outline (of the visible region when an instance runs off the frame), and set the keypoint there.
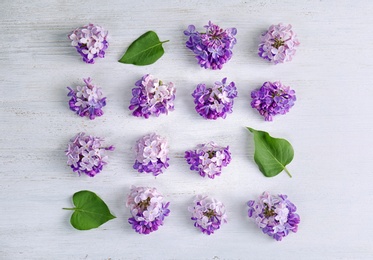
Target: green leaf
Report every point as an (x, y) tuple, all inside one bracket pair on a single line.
[(271, 154), (90, 211), (145, 50)]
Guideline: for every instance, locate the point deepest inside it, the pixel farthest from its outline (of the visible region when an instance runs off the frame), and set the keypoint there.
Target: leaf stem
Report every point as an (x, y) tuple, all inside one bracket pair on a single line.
[(69, 208), (286, 170), (165, 41)]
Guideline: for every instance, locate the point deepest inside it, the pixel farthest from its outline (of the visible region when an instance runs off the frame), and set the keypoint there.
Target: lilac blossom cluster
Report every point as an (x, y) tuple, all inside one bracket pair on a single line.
[(90, 42), (278, 44), (274, 214), (208, 159), (147, 209), (272, 99), (87, 100), (86, 154), (212, 48), (151, 154), (208, 214), (215, 102), (152, 97)]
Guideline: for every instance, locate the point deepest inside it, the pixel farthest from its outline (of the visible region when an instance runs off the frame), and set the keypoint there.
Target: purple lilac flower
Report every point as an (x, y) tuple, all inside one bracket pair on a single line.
[(208, 159), (147, 209), (151, 154), (272, 99), (208, 214), (212, 48), (274, 214), (90, 41), (87, 100), (278, 44), (215, 102), (86, 154), (152, 97)]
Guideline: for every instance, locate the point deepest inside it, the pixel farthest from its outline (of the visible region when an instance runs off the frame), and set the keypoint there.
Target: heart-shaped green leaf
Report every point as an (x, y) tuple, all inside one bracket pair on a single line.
[(90, 211), (145, 50), (271, 154)]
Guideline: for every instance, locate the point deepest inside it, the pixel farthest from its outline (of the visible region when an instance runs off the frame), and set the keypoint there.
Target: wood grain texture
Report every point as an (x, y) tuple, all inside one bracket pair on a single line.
[(330, 128)]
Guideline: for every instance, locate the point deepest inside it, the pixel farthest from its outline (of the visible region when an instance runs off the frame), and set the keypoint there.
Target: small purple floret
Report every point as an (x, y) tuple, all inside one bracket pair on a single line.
[(212, 48), (272, 99), (215, 102), (208, 159), (208, 214), (90, 42), (87, 100), (147, 209), (278, 44), (151, 154), (274, 214), (86, 154)]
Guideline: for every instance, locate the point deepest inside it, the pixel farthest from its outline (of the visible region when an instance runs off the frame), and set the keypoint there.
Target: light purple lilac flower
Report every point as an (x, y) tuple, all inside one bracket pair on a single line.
[(86, 154), (208, 214), (152, 97), (274, 215), (272, 99), (278, 44), (208, 159), (215, 102), (151, 154), (87, 100), (90, 41), (147, 208), (212, 48)]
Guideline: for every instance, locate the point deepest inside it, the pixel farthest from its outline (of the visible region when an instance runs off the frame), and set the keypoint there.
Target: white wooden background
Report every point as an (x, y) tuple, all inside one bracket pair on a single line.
[(330, 128)]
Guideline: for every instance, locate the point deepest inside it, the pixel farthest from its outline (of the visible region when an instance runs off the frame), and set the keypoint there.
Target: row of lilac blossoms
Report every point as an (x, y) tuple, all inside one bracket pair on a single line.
[(87, 154), (153, 97), (274, 214)]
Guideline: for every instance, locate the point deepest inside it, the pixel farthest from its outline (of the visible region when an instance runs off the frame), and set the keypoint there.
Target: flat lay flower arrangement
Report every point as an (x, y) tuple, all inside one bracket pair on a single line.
[(213, 47)]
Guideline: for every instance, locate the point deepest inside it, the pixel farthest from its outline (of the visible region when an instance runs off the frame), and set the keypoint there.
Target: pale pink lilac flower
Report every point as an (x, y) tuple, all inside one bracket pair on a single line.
[(147, 208), (90, 42), (278, 44), (87, 100), (86, 154), (274, 215), (207, 213), (151, 154)]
